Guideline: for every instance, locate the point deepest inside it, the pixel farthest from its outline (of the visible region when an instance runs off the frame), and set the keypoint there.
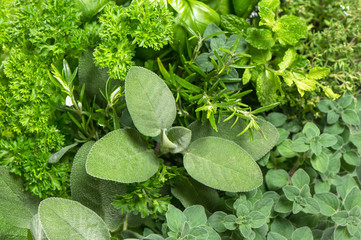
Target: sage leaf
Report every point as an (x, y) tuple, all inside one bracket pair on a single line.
[(150, 102), (64, 219), (190, 192), (94, 193), (13, 199), (122, 156), (181, 137), (231, 169), (10, 232), (257, 148), (54, 158), (36, 229)]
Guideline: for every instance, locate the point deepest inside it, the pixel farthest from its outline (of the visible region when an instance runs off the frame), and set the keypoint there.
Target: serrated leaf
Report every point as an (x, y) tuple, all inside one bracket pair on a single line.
[(17, 207), (94, 193), (67, 219), (271, 4), (181, 137), (150, 102), (289, 57), (231, 169), (267, 16), (268, 88), (234, 24), (290, 29), (318, 73), (260, 38), (122, 156), (175, 218), (257, 147), (328, 202), (303, 83), (276, 179), (190, 192)]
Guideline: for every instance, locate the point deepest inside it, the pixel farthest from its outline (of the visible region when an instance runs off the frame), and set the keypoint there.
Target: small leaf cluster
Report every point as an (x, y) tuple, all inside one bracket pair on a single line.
[(272, 43), (146, 24)]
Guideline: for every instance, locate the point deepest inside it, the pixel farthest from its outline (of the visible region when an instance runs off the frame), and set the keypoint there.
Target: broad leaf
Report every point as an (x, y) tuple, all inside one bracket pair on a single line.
[(122, 156), (175, 218), (353, 199), (64, 219), (289, 29), (256, 147), (303, 233), (94, 193), (231, 169), (150, 102), (196, 215), (194, 15), (260, 38), (328, 202), (17, 207), (90, 8), (190, 192), (10, 232), (276, 179)]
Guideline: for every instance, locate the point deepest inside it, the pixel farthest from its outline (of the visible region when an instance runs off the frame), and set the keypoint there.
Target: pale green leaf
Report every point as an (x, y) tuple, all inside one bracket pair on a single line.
[(196, 215), (175, 218), (17, 207), (90, 8), (122, 156), (283, 227), (268, 87), (320, 162), (150, 102), (350, 117), (300, 178), (181, 137), (256, 147), (231, 169), (276, 179), (36, 229), (64, 219), (94, 193), (353, 199), (267, 16), (328, 202), (303, 233)]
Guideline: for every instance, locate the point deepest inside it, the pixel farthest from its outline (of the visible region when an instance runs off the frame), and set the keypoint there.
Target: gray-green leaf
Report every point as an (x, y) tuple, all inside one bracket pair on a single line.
[(222, 164), (64, 219), (122, 156), (150, 102)]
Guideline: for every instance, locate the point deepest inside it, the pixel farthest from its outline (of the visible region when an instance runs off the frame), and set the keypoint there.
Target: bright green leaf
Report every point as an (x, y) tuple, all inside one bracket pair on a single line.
[(288, 59), (290, 29), (318, 73), (260, 38)]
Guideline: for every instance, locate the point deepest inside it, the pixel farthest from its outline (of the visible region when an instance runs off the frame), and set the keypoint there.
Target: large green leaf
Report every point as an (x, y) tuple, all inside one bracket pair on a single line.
[(190, 192), (150, 102), (37, 231), (256, 147), (90, 8), (64, 219), (194, 15), (94, 193), (122, 156), (9, 232), (222, 164), (17, 207)]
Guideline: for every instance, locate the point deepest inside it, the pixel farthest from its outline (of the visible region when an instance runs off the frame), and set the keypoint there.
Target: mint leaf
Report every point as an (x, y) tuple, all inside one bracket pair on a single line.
[(290, 29), (260, 38), (318, 73)]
